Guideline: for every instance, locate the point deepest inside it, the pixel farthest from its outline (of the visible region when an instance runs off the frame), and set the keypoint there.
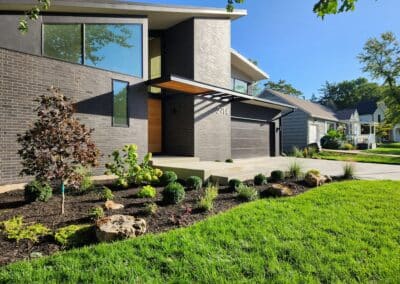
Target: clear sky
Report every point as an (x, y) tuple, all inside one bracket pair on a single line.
[(290, 42)]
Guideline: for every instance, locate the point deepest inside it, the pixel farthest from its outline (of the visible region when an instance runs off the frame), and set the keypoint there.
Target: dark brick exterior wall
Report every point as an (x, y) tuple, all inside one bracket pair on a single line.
[(24, 77)]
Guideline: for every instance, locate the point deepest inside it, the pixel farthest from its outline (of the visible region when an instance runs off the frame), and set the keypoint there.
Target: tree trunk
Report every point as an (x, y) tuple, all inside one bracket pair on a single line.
[(62, 197)]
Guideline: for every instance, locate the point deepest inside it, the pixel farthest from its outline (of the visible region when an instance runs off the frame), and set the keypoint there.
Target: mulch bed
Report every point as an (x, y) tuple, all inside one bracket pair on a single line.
[(76, 212)]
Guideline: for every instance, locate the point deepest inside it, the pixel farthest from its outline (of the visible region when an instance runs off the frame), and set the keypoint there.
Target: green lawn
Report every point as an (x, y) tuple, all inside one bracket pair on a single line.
[(342, 232), (340, 156), (389, 148)]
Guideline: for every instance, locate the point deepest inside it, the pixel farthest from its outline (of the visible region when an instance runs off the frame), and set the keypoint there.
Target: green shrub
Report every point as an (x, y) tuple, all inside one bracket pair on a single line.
[(168, 177), (246, 193), (314, 172), (234, 183), (277, 175), (331, 142), (106, 194), (15, 229), (296, 152), (96, 213), (147, 192), (38, 191), (347, 146), (228, 161), (349, 171), (173, 193), (86, 183), (206, 202), (194, 182), (295, 170), (260, 179), (74, 235), (150, 209)]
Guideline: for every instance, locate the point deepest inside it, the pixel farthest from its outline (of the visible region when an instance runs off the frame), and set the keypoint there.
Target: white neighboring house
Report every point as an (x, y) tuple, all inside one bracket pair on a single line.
[(350, 120)]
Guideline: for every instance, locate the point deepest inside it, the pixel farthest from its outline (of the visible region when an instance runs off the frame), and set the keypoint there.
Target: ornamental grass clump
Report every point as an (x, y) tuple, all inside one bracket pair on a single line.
[(247, 193), (106, 194), (349, 171), (206, 202), (295, 170)]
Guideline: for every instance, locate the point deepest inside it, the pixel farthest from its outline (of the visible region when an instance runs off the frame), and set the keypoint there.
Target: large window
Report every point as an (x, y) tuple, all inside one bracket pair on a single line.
[(114, 47), (240, 86), (120, 103)]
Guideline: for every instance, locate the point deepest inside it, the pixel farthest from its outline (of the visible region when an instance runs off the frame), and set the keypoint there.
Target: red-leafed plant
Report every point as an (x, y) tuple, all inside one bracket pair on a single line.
[(57, 143)]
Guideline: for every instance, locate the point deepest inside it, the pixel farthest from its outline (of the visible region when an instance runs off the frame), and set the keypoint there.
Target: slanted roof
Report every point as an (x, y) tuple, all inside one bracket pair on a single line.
[(345, 114), (247, 67), (367, 107), (160, 16), (188, 86), (313, 109)]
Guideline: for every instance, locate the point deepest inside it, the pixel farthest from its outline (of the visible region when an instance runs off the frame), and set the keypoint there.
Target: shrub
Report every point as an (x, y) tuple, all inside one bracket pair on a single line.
[(296, 152), (330, 142), (86, 182), (294, 170), (96, 213), (38, 191), (260, 179), (147, 192), (314, 172), (150, 209), (173, 193), (15, 229), (206, 203), (234, 183), (347, 146), (194, 182), (246, 193), (349, 171), (106, 194), (168, 177), (277, 175), (74, 235), (228, 161)]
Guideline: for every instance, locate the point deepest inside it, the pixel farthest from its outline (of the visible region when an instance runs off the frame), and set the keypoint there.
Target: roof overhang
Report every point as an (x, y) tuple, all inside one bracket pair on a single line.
[(160, 16), (247, 67), (183, 85)]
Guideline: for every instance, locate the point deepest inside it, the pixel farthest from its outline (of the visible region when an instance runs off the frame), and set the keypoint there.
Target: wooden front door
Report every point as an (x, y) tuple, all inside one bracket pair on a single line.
[(154, 125)]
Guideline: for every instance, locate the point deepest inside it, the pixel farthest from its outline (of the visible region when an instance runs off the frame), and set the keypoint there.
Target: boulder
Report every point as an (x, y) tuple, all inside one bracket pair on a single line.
[(119, 227), (111, 205), (314, 180), (277, 190)]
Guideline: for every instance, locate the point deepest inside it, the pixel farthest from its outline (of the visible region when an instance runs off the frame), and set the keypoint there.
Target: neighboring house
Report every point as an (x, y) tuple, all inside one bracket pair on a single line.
[(163, 77), (305, 125), (349, 119)]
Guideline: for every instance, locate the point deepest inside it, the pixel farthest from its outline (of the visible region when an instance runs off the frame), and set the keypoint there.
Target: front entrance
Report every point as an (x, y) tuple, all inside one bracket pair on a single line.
[(154, 113)]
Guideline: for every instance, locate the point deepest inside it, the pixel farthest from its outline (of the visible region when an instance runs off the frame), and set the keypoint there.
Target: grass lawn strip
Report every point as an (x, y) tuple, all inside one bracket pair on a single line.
[(362, 158)]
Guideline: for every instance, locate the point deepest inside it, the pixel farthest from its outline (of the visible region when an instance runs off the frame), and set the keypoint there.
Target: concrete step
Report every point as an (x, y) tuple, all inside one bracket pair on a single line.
[(172, 160)]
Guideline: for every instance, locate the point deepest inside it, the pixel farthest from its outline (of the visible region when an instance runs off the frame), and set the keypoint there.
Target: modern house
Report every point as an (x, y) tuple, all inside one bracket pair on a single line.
[(163, 77), (305, 125)]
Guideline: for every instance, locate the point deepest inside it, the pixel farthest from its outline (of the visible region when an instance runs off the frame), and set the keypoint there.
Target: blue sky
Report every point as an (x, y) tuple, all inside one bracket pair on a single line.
[(291, 43)]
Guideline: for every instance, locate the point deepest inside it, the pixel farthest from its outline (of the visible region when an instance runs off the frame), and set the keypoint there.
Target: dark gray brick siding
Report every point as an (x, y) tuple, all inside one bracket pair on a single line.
[(24, 77)]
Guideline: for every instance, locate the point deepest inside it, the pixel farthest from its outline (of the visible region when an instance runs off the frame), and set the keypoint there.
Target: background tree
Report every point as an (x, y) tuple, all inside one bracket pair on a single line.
[(381, 59), (348, 93), (57, 144), (283, 87)]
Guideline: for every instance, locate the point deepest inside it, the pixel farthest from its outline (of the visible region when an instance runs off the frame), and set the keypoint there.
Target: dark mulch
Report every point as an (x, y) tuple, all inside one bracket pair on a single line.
[(76, 212)]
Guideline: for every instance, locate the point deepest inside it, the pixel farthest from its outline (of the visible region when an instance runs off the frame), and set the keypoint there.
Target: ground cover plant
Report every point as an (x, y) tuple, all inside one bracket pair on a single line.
[(341, 232), (379, 159)]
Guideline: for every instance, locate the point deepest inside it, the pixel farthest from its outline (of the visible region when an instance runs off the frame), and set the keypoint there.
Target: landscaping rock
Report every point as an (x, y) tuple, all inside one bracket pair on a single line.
[(314, 180), (111, 205), (277, 190), (119, 227), (328, 178)]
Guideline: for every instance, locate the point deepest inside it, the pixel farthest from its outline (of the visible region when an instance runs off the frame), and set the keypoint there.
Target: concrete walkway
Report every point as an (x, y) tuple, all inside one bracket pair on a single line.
[(248, 168)]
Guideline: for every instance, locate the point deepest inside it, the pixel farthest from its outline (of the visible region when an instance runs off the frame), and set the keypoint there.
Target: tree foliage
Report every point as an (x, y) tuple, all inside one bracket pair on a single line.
[(326, 7), (348, 93), (33, 14), (57, 143), (381, 59), (283, 87)]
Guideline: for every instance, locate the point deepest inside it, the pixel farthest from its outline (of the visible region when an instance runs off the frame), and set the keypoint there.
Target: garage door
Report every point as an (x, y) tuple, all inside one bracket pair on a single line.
[(250, 138)]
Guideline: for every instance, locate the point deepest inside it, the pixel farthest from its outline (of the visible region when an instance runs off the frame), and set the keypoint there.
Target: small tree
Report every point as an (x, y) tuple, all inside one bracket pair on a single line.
[(57, 144)]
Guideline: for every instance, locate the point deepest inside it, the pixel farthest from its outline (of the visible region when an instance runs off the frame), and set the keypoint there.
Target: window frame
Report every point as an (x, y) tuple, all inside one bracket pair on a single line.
[(113, 124), (83, 43), (234, 79)]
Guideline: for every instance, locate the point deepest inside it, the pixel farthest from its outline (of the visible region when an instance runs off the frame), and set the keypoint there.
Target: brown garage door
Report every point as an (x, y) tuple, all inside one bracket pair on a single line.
[(250, 138)]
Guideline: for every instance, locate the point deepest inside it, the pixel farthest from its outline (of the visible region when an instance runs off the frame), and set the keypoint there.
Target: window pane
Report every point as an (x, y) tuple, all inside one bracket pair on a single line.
[(115, 47), (63, 42), (120, 103), (240, 86)]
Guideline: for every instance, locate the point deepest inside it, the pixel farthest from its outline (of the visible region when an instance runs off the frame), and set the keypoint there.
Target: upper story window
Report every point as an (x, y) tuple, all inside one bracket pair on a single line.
[(114, 47), (379, 118), (120, 104), (240, 86)]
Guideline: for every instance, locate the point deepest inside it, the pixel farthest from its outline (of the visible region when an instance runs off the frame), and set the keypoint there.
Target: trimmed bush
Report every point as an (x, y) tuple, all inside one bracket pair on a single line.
[(206, 203), (37, 191), (74, 235), (168, 177), (96, 213), (194, 182), (147, 192), (260, 179), (234, 183), (173, 193), (329, 142), (246, 193), (277, 175)]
